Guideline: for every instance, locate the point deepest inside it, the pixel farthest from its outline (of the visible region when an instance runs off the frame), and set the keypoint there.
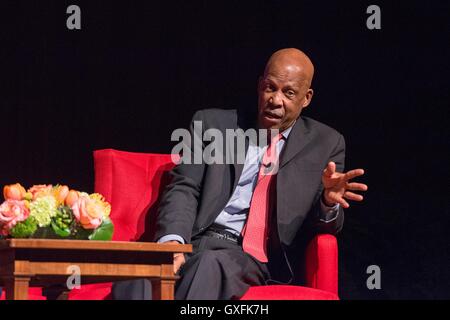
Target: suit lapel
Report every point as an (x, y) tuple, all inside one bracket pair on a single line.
[(297, 140)]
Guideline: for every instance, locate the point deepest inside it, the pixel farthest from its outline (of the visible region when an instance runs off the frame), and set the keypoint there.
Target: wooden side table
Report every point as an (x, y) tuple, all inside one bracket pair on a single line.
[(40, 262)]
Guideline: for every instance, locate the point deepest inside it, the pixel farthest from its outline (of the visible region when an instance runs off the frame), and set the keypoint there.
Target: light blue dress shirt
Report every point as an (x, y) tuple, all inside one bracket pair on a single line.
[(234, 215)]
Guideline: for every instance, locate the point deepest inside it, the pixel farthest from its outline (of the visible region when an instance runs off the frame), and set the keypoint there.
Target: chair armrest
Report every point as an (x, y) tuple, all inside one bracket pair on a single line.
[(321, 270)]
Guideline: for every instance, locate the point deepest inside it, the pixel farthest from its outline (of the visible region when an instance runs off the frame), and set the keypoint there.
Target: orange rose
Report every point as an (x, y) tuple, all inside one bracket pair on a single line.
[(14, 192), (71, 198), (88, 212), (61, 193), (40, 190)]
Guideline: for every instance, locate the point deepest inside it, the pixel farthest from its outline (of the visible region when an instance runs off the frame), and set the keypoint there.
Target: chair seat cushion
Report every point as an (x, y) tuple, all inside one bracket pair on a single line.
[(285, 292)]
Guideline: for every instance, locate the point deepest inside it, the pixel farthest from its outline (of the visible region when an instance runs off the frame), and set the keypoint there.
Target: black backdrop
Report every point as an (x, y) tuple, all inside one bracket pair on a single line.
[(137, 70)]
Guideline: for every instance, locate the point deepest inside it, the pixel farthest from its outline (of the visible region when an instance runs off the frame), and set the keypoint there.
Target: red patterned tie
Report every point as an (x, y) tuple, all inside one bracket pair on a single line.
[(256, 230)]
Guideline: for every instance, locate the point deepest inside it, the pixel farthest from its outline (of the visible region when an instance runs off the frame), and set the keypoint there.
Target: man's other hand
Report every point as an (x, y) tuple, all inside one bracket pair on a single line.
[(337, 186), (178, 258)]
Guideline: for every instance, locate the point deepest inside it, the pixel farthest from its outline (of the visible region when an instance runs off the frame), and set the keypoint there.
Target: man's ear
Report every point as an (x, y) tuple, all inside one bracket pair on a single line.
[(308, 97)]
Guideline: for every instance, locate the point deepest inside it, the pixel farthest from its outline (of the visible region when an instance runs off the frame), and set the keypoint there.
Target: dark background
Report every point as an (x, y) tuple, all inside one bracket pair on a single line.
[(137, 70)]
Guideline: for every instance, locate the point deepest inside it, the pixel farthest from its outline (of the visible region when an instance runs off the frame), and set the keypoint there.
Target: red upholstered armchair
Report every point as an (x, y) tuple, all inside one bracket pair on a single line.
[(133, 182)]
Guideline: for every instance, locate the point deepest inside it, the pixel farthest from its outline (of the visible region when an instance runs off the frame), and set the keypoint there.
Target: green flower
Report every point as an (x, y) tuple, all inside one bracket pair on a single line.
[(25, 228), (61, 223), (43, 209), (64, 217)]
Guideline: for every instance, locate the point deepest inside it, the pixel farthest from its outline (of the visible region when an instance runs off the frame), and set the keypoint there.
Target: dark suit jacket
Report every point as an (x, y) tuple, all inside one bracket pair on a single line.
[(199, 192)]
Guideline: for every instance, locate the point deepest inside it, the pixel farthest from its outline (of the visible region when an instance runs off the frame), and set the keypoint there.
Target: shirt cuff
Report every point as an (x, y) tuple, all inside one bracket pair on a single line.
[(171, 237), (327, 213)]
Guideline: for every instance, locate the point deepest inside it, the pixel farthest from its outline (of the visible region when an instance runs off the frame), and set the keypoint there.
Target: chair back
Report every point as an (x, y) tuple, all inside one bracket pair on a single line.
[(132, 183)]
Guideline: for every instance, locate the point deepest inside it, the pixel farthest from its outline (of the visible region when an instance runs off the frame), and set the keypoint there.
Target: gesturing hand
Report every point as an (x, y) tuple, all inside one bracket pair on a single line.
[(337, 186)]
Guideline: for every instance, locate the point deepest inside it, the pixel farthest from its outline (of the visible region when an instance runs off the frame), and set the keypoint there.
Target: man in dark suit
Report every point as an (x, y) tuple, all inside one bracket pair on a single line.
[(208, 205), (247, 225)]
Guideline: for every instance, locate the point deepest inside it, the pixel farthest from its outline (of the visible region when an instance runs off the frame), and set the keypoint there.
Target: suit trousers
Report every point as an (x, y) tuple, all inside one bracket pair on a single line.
[(218, 270)]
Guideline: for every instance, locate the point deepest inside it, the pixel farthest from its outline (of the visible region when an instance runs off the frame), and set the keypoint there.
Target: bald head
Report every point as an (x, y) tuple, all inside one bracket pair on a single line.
[(284, 89), (291, 60)]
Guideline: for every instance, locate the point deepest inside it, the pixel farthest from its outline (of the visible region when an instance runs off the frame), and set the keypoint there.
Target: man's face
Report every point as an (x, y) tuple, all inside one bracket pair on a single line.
[(282, 94)]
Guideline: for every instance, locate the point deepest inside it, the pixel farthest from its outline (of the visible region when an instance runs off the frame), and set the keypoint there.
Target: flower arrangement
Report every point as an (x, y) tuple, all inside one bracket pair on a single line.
[(55, 212)]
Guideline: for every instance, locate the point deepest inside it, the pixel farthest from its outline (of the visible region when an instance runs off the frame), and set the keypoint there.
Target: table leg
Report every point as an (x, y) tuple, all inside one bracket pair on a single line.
[(163, 289), (17, 288)]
